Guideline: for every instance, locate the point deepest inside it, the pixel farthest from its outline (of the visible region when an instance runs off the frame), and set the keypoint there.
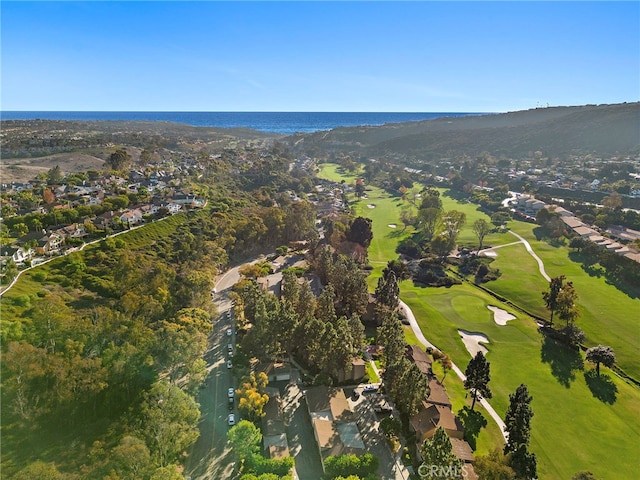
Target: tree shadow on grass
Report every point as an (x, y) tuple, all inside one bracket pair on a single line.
[(395, 233), (564, 361), (590, 265), (472, 421), (602, 387)]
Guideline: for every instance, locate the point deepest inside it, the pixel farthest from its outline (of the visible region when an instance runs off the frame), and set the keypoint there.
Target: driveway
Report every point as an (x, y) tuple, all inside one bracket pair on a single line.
[(302, 444)]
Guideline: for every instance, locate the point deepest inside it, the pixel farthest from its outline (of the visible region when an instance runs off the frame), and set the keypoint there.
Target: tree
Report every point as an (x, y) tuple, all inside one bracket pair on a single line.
[(48, 196), (481, 229), (388, 291), (54, 175), (170, 472), (447, 365), (518, 427), (407, 385), (441, 246), (359, 188), (360, 231), (252, 397), (407, 217), (350, 464), (290, 288), (500, 218), (478, 377), (566, 303), (39, 470), (613, 201), (145, 157), (131, 458), (438, 459), (10, 271), (119, 160), (601, 354), (430, 220), (325, 307), (453, 221), (391, 337), (245, 439), (168, 421), (551, 296), (494, 466)]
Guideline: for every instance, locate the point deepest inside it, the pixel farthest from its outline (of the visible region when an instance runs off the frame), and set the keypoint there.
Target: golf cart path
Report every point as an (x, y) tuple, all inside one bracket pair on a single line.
[(418, 333), (533, 254)]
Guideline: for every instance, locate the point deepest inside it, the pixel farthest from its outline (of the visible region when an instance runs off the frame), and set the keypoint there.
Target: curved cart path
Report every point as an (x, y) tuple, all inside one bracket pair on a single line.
[(418, 333), (533, 254)]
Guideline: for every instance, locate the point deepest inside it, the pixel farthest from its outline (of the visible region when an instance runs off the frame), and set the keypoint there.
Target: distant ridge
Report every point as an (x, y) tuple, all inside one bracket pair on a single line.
[(556, 131)]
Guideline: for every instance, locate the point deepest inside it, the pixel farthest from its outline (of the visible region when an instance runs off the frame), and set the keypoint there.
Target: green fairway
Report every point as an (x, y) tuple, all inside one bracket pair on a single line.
[(577, 417), (609, 316)]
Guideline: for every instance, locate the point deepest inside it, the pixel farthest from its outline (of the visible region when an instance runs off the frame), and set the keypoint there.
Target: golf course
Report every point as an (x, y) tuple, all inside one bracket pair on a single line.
[(581, 421)]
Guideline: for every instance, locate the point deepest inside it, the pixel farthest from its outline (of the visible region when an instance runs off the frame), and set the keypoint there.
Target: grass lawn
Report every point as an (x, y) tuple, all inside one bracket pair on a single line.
[(608, 315), (373, 376), (577, 417), (335, 173)]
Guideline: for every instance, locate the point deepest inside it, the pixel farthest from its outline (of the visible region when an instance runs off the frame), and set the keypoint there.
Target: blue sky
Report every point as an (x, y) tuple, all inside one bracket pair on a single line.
[(318, 56)]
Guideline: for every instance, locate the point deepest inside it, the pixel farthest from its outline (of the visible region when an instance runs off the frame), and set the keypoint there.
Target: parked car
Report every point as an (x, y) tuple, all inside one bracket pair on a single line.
[(370, 388), (355, 395), (382, 409), (229, 364), (231, 392), (229, 332), (232, 419)]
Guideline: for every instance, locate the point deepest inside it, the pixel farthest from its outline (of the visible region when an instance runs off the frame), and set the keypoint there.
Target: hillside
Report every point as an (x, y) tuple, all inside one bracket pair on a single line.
[(556, 131)]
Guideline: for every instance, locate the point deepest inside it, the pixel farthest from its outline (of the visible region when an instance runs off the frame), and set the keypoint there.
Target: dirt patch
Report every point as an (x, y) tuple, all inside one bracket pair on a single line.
[(501, 317), (25, 169), (472, 341)]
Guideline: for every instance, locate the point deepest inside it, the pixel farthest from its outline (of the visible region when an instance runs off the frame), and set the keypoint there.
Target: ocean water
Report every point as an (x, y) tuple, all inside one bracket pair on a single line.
[(277, 122)]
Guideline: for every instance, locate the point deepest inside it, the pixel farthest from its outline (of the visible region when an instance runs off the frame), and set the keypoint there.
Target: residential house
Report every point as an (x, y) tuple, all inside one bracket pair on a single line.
[(435, 410), (50, 243), (430, 417), (188, 199), (418, 356), (274, 434), (131, 217), (106, 220), (572, 222), (76, 230), (333, 422), (529, 205), (354, 371), (19, 255)]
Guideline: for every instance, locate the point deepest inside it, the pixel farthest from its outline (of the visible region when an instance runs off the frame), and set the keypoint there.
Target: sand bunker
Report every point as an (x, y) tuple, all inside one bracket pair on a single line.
[(371, 205), (501, 317), (489, 253), (392, 225), (472, 342)]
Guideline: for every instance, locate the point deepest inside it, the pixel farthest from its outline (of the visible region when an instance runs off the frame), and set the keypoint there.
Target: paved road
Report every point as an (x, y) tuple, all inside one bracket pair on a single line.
[(418, 333), (210, 457)]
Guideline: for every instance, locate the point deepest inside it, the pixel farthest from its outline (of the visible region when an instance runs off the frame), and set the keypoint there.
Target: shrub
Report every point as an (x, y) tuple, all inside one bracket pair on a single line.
[(22, 301), (39, 276)]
